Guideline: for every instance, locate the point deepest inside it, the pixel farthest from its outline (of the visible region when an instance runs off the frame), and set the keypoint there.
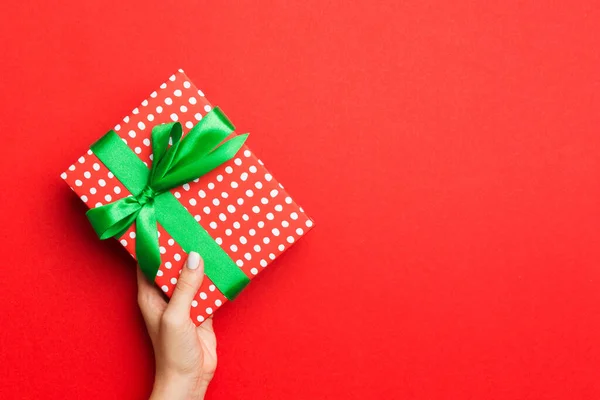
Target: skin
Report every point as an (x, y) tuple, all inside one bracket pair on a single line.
[(186, 355)]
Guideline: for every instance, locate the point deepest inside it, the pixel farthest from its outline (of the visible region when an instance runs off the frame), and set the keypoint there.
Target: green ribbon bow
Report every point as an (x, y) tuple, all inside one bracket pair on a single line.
[(199, 152)]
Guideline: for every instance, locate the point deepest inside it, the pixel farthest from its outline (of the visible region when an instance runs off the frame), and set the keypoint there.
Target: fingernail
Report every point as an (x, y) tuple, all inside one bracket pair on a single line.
[(193, 260)]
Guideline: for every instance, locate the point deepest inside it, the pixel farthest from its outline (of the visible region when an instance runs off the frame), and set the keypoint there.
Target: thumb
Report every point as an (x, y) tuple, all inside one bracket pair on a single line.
[(188, 284)]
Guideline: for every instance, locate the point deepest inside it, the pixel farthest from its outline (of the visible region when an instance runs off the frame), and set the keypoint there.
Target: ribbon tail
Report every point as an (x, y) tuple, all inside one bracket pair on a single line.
[(112, 220), (146, 246)]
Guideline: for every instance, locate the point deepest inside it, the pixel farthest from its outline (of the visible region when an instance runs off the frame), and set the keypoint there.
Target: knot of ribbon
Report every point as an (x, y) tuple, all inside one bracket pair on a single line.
[(176, 161)]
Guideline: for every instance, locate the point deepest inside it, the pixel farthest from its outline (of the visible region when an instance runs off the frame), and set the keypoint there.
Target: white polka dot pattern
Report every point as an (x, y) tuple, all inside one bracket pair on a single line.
[(240, 203)]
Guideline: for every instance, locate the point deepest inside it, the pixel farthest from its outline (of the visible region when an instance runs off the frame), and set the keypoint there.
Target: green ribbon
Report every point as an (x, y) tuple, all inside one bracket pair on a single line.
[(201, 151)]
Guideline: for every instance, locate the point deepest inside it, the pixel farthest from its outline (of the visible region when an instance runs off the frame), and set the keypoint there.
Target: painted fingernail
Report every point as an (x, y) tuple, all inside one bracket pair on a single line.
[(193, 260)]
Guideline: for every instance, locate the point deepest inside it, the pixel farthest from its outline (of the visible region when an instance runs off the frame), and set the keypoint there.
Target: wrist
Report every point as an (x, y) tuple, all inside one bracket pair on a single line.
[(177, 388)]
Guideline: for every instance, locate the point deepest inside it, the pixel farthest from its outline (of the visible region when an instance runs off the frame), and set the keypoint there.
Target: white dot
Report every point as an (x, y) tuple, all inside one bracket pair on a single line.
[(252, 232), (218, 303), (271, 256), (108, 197), (247, 153), (234, 184), (248, 256), (172, 78), (228, 169), (281, 247), (72, 168), (123, 242), (177, 195), (192, 201), (240, 201), (203, 296), (177, 93), (110, 175), (294, 215), (219, 178), (256, 209), (101, 182), (309, 223), (249, 193), (177, 257), (159, 273), (192, 100), (244, 176), (254, 271), (299, 231), (183, 109), (237, 162), (86, 174), (207, 108), (96, 167), (288, 200), (275, 231), (228, 232), (278, 207), (263, 263), (168, 101), (84, 198), (213, 225), (209, 310), (219, 241), (274, 192), (168, 265), (243, 240), (159, 109), (153, 94), (194, 303), (138, 150), (239, 263), (198, 116), (132, 235), (200, 93), (222, 217), (197, 218), (261, 224), (206, 210), (216, 202), (264, 200), (202, 194), (285, 224), (212, 288), (141, 125), (270, 216), (186, 85), (78, 182), (98, 204), (290, 239), (211, 186), (266, 240), (200, 318), (253, 169), (63, 175), (174, 117), (117, 127), (258, 185), (117, 189), (126, 119), (256, 248), (93, 190), (81, 160), (233, 248), (164, 288), (245, 217), (260, 162), (231, 208), (136, 111), (132, 133), (186, 186), (268, 177), (162, 250), (189, 124), (224, 195), (236, 225)]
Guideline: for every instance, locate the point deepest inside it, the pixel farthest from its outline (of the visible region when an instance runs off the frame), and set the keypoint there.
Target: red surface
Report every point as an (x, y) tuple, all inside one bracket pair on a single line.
[(448, 152)]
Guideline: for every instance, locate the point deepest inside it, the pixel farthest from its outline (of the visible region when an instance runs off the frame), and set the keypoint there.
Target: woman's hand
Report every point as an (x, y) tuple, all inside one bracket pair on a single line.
[(186, 356)]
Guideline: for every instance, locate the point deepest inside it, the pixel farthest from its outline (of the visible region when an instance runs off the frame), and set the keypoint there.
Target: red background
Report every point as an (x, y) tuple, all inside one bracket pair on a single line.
[(448, 152)]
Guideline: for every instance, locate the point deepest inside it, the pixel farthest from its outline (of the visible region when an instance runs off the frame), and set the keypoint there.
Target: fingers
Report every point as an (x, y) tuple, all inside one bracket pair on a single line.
[(188, 285), (151, 302)]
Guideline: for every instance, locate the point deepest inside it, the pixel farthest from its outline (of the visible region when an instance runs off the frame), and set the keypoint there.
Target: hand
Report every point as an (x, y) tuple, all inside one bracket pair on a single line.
[(186, 355)]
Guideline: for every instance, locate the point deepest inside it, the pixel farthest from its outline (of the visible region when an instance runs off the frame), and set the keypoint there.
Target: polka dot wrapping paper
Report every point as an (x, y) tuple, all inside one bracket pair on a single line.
[(240, 204)]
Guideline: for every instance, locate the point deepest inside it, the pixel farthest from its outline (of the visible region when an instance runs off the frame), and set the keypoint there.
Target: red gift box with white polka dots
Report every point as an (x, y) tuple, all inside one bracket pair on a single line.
[(240, 204)]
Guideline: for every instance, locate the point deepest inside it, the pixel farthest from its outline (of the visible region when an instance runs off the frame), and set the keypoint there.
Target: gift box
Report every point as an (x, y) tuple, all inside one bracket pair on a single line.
[(236, 214)]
